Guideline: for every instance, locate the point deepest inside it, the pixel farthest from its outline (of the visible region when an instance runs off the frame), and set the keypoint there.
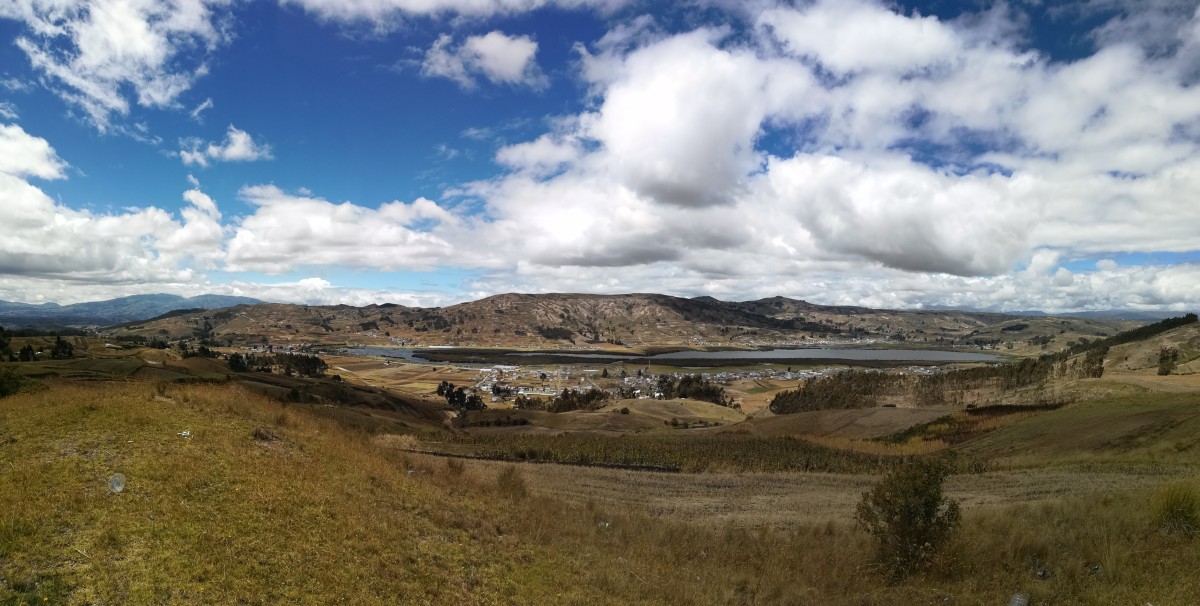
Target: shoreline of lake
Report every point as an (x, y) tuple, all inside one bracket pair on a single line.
[(814, 355)]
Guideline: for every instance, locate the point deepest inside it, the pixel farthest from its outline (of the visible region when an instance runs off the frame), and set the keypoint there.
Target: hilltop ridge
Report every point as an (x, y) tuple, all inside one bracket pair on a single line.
[(625, 321), (111, 311)]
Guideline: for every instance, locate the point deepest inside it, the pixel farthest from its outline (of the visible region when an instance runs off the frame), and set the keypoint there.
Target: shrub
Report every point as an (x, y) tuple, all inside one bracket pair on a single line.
[(908, 516), (10, 382), (511, 483), (1176, 508)]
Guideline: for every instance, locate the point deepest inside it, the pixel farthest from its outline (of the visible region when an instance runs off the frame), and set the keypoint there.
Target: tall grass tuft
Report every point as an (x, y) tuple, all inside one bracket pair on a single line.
[(394, 441), (1176, 508), (511, 483)]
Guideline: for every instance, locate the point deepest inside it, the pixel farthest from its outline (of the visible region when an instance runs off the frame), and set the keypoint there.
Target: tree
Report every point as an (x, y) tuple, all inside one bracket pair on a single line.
[(1167, 359), (4, 341), (62, 349), (474, 402), (306, 365), (908, 516), (204, 333), (27, 354), (524, 402), (1093, 362), (571, 399), (666, 386), (238, 363), (694, 387)]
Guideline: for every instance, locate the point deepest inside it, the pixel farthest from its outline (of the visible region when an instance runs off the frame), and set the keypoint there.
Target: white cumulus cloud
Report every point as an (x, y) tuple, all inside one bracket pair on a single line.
[(238, 146), (287, 231), (495, 56), (855, 35), (841, 152), (45, 244), (94, 53), (386, 14), (924, 175), (24, 155)]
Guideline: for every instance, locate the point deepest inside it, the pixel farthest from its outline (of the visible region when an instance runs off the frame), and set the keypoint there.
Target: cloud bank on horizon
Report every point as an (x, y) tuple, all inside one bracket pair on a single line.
[(424, 152)]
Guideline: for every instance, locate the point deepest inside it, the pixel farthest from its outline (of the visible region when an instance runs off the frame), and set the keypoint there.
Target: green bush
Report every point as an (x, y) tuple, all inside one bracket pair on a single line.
[(908, 516), (1176, 508), (10, 382)]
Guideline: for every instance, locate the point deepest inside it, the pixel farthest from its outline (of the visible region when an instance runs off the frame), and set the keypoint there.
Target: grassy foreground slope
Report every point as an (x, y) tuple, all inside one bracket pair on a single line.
[(326, 515), (217, 516)]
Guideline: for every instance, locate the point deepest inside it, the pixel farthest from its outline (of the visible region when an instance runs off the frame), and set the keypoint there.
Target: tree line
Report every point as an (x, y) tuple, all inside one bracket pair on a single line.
[(457, 397), (301, 364), (59, 350), (694, 387)]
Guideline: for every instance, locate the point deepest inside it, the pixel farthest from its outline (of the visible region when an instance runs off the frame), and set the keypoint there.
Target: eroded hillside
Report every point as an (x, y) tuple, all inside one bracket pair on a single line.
[(637, 321)]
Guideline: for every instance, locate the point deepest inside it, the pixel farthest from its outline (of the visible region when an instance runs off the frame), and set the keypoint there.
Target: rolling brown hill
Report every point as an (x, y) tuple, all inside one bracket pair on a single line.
[(1182, 344), (634, 321)]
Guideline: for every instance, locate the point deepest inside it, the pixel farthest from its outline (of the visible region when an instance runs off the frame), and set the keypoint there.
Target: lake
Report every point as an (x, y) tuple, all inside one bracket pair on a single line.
[(821, 353)]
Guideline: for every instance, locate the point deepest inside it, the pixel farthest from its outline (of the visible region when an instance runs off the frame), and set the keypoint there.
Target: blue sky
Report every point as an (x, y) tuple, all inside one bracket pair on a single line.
[(1013, 155)]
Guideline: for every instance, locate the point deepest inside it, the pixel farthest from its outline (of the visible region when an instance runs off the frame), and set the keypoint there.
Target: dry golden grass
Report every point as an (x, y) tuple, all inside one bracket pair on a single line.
[(330, 515), (915, 447), (683, 410), (397, 441), (321, 515)]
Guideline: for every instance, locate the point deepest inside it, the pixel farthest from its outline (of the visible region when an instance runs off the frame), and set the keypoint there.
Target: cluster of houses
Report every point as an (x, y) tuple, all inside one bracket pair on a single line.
[(549, 383)]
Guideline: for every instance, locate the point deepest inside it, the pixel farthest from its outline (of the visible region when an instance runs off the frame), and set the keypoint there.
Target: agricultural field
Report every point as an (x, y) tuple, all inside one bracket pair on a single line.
[(414, 380), (363, 486)]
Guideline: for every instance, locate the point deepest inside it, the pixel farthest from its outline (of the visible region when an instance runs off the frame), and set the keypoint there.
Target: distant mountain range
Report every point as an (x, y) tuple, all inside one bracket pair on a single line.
[(112, 311), (1109, 314), (553, 320), (638, 321)]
